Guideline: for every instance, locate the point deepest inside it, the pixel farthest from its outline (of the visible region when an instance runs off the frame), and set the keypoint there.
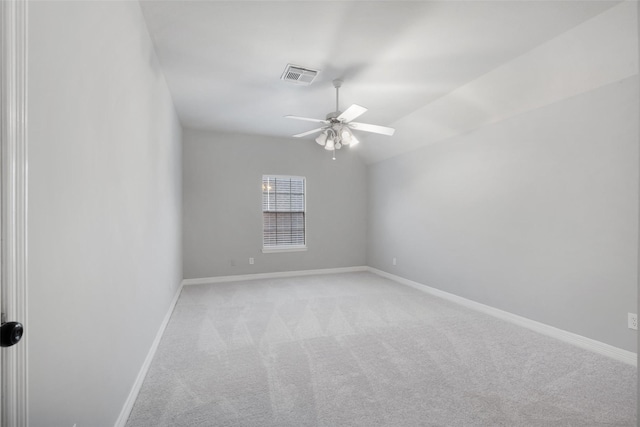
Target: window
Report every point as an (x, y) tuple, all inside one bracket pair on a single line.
[(283, 213)]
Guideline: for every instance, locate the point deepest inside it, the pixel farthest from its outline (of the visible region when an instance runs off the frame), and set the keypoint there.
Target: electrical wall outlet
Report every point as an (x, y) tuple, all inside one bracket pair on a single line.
[(632, 321), (232, 262), (394, 261), (251, 261)]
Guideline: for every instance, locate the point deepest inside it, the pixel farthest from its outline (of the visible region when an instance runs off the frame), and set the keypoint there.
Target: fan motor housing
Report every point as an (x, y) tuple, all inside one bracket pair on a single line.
[(333, 117)]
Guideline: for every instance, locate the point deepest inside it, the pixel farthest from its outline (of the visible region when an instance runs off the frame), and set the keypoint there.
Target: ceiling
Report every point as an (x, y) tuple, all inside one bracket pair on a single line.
[(223, 60)]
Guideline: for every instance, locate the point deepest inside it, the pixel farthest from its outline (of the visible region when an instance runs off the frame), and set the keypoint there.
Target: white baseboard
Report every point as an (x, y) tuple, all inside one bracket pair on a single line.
[(560, 334), (133, 394), (275, 275)]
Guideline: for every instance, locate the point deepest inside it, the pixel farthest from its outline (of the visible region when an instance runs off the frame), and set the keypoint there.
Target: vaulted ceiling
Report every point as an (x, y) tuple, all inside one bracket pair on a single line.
[(223, 59)]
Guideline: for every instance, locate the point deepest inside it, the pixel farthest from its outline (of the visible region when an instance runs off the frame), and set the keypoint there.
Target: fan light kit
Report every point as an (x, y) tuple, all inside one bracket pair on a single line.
[(336, 131)]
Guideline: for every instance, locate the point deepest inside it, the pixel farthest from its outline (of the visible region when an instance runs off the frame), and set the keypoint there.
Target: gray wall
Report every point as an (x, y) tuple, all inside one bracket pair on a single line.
[(536, 215), (222, 204), (104, 208)]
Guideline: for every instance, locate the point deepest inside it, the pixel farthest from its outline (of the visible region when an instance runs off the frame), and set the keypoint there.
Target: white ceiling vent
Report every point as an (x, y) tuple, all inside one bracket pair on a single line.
[(298, 75)]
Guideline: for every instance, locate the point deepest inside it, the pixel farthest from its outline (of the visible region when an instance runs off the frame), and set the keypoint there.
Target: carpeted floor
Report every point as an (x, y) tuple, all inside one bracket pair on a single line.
[(360, 350)]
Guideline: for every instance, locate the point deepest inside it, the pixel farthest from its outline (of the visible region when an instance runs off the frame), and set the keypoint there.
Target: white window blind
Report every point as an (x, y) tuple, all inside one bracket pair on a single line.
[(283, 212)]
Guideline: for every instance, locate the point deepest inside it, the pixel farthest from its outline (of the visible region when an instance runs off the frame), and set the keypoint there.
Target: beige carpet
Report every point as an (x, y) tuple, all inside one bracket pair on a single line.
[(360, 350)]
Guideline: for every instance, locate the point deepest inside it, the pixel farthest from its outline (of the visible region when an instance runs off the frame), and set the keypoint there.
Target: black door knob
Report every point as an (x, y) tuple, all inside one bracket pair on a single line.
[(10, 333)]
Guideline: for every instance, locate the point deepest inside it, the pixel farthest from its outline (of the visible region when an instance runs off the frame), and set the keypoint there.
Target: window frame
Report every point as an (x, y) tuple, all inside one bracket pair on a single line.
[(285, 248)]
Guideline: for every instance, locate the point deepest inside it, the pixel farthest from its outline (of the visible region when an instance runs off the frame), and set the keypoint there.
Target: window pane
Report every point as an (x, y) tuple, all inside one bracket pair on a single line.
[(297, 202), (283, 207), (283, 185), (269, 221), (283, 202), (297, 186)]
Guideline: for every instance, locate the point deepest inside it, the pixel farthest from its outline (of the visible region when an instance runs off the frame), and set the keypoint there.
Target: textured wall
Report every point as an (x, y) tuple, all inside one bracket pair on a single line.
[(104, 208), (222, 204)]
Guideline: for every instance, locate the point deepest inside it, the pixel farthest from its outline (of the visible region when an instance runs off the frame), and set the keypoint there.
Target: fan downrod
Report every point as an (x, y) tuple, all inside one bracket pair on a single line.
[(337, 83)]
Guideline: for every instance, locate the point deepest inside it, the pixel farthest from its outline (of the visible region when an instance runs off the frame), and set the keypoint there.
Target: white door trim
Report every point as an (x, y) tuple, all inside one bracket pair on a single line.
[(13, 113)]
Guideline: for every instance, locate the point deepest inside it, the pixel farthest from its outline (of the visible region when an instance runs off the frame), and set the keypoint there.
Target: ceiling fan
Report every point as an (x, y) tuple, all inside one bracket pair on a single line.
[(336, 129)]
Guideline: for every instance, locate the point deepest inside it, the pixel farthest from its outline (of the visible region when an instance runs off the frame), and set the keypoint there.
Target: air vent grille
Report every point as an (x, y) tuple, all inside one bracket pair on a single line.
[(298, 75)]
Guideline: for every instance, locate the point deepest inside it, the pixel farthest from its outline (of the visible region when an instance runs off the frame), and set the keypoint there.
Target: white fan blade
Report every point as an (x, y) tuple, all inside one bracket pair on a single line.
[(300, 135), (307, 119), (351, 113), (372, 128)]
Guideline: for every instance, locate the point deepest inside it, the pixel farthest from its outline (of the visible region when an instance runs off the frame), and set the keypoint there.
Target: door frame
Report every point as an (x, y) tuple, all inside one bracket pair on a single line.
[(13, 206)]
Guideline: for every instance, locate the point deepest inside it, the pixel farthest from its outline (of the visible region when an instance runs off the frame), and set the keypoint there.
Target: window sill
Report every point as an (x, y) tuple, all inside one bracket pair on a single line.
[(284, 249)]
